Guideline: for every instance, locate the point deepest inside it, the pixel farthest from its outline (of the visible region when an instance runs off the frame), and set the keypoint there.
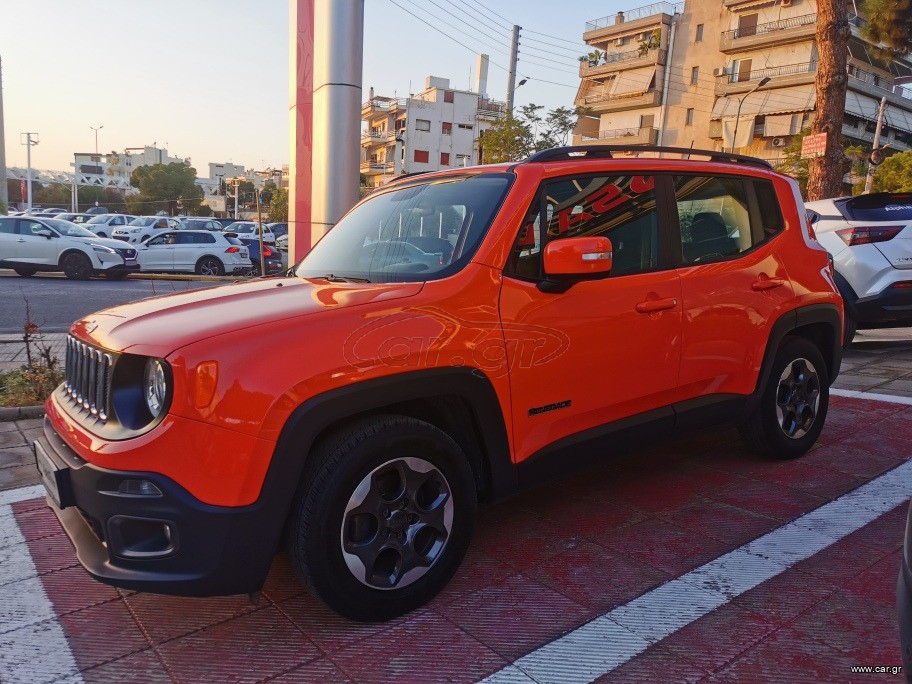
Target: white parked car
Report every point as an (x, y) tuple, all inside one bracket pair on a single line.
[(248, 229), (870, 240), (103, 225), (282, 242), (143, 227), (201, 223), (29, 245), (195, 251)]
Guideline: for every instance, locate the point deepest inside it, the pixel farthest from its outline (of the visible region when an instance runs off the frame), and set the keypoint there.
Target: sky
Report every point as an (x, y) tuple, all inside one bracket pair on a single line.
[(209, 79)]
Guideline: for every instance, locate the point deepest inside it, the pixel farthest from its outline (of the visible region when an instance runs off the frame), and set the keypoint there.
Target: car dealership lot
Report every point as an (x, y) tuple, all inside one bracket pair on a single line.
[(541, 566)]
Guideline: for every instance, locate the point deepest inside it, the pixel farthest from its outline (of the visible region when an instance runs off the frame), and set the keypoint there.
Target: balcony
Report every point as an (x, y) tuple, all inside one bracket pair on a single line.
[(620, 136), (877, 86), (372, 168), (780, 77), (491, 108), (617, 61), (382, 105), (782, 32), (377, 137), (639, 19), (618, 103)]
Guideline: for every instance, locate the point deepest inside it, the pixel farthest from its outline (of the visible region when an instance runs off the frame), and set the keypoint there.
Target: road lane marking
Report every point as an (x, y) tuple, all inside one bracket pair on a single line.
[(871, 396), (608, 641)]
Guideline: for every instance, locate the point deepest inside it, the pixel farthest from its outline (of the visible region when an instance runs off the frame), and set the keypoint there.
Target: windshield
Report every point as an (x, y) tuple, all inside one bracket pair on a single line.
[(143, 221), (420, 232), (70, 229)]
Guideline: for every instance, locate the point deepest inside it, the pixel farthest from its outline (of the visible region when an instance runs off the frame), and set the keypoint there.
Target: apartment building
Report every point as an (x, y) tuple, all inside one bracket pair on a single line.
[(439, 128), (114, 169), (726, 73)]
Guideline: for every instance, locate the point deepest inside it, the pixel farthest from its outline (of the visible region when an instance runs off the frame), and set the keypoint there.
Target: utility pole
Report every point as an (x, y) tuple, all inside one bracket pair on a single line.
[(4, 196), (869, 180), (511, 78), (29, 143)]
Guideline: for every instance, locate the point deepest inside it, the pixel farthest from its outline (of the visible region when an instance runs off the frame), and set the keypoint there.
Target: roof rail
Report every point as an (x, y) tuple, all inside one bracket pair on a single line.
[(607, 152)]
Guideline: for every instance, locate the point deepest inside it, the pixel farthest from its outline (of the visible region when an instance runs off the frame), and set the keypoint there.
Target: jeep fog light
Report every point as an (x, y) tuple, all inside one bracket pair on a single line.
[(155, 386)]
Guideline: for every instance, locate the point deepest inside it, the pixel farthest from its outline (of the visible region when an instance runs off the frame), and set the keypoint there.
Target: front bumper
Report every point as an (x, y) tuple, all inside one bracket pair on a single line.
[(128, 268), (165, 541)]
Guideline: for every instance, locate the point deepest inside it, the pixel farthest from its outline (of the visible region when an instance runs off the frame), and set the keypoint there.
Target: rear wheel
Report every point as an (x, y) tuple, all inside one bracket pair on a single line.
[(25, 272), (383, 517), (76, 266), (210, 266), (793, 405)]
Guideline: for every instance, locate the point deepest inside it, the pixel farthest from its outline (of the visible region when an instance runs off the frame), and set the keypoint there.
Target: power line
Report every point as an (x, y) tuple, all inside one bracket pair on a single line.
[(497, 48), (490, 11), (495, 27)]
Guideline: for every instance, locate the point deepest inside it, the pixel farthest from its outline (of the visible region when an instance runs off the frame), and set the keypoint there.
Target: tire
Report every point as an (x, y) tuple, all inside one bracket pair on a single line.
[(417, 501), (25, 272), (76, 266), (793, 405), (255, 271), (116, 275), (209, 266), (848, 334)]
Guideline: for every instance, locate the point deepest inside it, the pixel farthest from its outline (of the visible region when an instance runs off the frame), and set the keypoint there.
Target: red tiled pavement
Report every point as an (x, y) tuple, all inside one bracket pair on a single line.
[(541, 565)]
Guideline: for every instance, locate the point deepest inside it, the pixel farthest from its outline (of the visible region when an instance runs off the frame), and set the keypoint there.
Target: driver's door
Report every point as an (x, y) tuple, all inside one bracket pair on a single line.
[(31, 248), (159, 253)]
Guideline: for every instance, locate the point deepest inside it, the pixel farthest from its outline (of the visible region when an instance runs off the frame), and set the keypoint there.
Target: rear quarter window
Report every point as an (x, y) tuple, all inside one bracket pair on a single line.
[(878, 207)]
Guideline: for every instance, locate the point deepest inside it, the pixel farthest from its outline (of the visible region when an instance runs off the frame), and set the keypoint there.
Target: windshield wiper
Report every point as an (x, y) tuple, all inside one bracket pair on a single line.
[(342, 279)]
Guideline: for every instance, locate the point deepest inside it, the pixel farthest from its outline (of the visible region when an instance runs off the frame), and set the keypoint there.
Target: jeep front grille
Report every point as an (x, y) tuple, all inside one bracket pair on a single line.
[(88, 378)]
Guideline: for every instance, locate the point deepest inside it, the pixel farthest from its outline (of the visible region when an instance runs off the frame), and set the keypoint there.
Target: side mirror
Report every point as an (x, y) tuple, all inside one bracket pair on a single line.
[(44, 233), (569, 260)]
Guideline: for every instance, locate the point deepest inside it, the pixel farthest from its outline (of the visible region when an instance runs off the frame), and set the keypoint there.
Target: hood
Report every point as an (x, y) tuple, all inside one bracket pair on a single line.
[(159, 325), (107, 242)]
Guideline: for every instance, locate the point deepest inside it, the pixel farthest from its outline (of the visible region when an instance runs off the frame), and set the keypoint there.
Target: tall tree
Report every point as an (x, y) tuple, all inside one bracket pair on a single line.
[(895, 174), (278, 207), (514, 138), (170, 187), (826, 172)]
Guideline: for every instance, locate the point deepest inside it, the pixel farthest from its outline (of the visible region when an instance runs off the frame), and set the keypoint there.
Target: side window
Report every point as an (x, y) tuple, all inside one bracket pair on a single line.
[(621, 208), (117, 221), (7, 226), (30, 227), (205, 239), (714, 217), (771, 222), (165, 239)]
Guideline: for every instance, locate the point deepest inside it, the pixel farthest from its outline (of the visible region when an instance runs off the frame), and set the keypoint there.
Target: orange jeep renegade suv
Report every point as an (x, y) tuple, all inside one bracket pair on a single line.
[(457, 337)]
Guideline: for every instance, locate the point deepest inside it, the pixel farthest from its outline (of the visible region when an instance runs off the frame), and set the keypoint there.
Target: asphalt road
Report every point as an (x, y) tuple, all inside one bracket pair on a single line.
[(55, 302)]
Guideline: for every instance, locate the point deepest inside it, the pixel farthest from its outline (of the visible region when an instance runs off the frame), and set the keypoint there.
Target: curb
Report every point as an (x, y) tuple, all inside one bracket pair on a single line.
[(200, 278), (9, 413)]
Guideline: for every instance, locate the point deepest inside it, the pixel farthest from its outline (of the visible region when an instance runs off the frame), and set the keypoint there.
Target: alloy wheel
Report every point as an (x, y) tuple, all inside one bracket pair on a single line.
[(397, 523), (797, 398)]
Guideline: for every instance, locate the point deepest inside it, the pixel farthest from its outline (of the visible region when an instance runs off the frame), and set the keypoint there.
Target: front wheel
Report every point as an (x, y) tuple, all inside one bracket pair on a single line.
[(210, 266), (383, 517), (76, 266), (793, 405)]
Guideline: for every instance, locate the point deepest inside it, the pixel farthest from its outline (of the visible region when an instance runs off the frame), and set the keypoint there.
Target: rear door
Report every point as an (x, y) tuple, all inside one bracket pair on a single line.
[(188, 248), (733, 280), (8, 238)]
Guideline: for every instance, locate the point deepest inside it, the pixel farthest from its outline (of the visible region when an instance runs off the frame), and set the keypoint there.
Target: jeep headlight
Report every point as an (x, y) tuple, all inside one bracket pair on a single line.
[(155, 386)]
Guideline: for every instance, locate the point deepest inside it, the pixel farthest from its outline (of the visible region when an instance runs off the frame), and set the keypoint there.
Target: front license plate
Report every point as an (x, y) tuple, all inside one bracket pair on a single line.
[(56, 480)]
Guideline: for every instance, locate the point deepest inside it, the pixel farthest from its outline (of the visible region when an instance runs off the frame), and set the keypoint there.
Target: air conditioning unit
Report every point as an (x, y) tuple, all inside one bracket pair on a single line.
[(779, 142), (720, 71)]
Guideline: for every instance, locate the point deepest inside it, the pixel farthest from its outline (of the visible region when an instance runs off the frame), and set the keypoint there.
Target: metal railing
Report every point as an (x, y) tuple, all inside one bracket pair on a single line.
[(877, 83), (384, 103), (606, 97), (492, 106), (760, 29), (620, 133), (377, 167), (378, 136), (774, 72), (615, 57), (634, 14)]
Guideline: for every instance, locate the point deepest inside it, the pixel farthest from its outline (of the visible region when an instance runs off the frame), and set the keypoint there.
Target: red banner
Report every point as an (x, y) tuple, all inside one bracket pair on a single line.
[(22, 191)]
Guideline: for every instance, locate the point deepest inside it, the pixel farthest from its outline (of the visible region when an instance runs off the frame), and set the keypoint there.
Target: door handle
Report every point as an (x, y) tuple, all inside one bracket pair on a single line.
[(767, 284), (21, 240), (653, 305)]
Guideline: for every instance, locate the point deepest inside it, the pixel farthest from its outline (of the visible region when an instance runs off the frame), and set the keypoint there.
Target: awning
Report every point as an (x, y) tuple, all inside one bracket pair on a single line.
[(897, 118), (766, 102), (745, 132), (861, 106), (777, 125), (633, 82)]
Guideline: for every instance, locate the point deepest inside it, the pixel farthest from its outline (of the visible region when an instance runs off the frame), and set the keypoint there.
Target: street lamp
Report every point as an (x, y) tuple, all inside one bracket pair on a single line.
[(762, 82), (96, 136)]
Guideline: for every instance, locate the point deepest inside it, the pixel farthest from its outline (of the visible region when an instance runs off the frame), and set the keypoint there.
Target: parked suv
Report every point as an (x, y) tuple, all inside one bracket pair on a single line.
[(578, 305), (870, 238), (29, 245)]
